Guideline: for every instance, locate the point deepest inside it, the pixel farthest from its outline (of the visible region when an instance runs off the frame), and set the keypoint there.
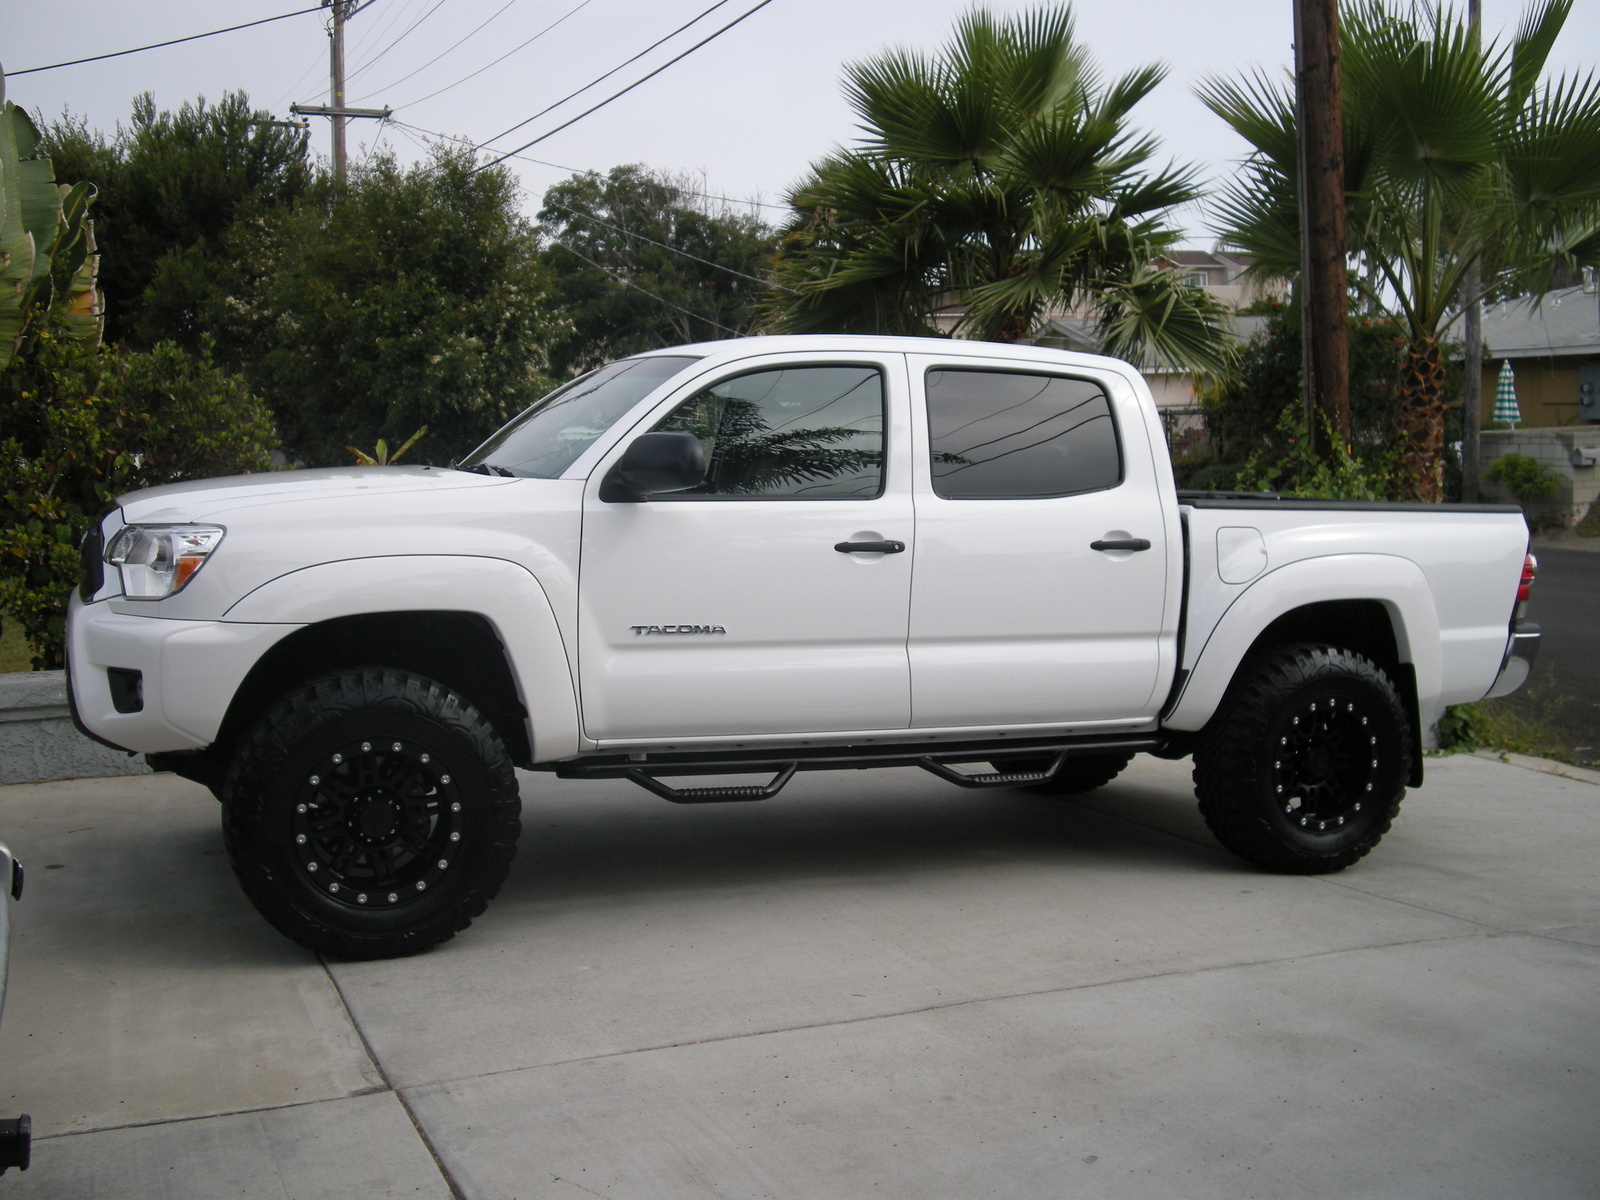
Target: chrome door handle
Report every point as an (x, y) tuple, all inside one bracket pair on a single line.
[(1121, 544), (870, 547)]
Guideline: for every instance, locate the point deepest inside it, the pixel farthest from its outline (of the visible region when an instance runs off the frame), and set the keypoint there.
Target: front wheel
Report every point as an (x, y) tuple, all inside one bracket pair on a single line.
[(1303, 768), (371, 813)]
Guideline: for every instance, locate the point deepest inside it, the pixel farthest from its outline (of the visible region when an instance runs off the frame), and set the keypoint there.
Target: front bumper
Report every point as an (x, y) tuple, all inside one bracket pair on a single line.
[(152, 685), (1522, 647)]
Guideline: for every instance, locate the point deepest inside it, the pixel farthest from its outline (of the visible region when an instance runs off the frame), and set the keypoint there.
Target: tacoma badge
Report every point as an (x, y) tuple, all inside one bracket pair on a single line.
[(643, 630)]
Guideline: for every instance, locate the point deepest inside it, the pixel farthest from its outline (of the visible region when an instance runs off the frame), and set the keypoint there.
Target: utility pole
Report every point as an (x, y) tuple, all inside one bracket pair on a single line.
[(1323, 284), (1472, 335), (342, 11)]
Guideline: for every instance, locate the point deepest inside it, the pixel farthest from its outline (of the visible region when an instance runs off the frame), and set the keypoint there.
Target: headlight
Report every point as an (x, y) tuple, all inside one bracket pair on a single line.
[(157, 560)]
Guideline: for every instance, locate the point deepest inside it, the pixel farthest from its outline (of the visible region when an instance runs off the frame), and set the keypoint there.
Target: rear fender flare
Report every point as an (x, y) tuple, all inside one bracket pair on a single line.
[(1396, 583)]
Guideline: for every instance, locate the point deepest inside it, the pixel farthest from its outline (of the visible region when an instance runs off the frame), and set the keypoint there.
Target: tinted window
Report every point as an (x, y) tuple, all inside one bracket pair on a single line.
[(999, 435), (547, 437), (810, 433)]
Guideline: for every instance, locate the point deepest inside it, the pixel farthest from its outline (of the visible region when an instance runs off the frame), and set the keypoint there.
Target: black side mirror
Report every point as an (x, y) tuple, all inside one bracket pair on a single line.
[(656, 462)]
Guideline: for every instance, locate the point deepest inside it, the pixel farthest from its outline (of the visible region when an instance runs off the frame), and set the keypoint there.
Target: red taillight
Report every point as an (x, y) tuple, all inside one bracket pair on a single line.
[(1530, 568)]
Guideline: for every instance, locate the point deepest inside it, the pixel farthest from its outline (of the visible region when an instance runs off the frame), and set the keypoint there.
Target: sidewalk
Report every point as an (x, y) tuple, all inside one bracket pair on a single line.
[(873, 984)]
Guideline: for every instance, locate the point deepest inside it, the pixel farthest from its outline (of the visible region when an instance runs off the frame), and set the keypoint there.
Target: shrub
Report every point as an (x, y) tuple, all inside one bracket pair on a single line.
[(1525, 478), (81, 426)]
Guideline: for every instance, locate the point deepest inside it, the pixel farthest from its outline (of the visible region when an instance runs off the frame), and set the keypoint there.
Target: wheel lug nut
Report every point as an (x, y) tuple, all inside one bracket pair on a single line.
[(443, 863), (338, 758), (366, 747), (424, 758), (393, 897), (421, 884), (300, 839), (361, 898), (311, 866), (395, 747), (316, 779), (299, 808), (455, 837), (455, 806)]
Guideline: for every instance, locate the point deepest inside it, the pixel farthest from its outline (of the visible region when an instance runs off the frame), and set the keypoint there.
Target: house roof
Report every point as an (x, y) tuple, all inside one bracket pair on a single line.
[(1558, 324)]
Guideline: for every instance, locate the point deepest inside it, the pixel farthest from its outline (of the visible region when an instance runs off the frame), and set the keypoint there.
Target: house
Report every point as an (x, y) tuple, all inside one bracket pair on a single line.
[(1553, 345)]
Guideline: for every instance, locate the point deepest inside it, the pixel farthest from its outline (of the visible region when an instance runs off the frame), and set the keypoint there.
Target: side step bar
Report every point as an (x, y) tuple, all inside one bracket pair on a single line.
[(649, 774)]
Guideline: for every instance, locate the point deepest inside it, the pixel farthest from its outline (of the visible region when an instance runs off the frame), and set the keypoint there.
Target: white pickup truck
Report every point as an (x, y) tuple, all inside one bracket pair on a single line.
[(764, 556)]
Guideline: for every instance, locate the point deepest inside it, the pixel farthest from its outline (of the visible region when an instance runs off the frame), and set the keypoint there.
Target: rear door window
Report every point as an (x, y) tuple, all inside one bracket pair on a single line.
[(997, 435)]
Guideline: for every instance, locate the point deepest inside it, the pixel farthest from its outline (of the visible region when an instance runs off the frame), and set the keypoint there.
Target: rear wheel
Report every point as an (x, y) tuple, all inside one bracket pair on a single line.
[(371, 813), (1303, 768)]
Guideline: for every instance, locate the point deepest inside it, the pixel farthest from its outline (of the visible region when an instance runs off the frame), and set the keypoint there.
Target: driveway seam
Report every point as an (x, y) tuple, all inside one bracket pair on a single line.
[(377, 1065), (954, 1004)]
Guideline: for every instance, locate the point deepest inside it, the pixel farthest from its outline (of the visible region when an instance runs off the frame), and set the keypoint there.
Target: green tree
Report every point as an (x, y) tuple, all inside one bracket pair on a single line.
[(81, 425), (641, 261), (999, 177), (171, 185), (47, 259), (411, 296), (1453, 151)]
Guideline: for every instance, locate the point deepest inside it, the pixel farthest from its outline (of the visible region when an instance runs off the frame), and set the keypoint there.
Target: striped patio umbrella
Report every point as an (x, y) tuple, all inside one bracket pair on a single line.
[(1505, 396)]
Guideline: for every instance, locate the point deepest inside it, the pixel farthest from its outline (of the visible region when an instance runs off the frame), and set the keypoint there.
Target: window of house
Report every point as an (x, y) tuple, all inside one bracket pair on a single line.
[(1010, 435), (803, 433)]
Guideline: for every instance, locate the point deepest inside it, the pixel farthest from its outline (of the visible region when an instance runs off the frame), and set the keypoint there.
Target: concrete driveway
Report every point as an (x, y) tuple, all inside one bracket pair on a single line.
[(873, 985)]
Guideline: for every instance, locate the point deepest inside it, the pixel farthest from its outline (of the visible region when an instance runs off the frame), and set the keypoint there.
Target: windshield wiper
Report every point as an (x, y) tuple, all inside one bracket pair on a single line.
[(484, 468)]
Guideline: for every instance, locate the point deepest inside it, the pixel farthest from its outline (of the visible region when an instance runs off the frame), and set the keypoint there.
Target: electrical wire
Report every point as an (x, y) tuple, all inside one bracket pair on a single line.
[(394, 43), (601, 78), (626, 282), (487, 65), (193, 37), (434, 133), (448, 48), (617, 95), (628, 233)]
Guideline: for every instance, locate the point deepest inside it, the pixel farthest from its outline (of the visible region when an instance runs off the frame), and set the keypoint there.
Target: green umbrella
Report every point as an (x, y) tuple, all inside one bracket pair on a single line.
[(1505, 396)]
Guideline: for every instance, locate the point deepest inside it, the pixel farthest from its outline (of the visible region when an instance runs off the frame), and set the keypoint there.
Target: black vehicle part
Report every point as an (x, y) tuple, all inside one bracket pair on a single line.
[(16, 1143), (655, 462), (371, 813), (1070, 776), (713, 795), (1303, 768), (647, 770)]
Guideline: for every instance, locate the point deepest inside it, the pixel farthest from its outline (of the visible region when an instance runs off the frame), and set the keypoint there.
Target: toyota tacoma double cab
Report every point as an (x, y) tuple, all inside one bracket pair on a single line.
[(763, 556)]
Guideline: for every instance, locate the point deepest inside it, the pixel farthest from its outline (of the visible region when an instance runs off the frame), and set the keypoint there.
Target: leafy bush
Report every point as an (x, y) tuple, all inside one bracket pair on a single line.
[(1525, 478), (83, 426), (1293, 468)]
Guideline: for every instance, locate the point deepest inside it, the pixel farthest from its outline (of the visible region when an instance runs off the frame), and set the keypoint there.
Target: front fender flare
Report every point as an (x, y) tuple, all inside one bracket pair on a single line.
[(1396, 583), (504, 593)]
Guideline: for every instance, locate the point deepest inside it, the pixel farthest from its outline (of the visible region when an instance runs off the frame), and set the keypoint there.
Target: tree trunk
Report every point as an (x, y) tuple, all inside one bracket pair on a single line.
[(1419, 422)]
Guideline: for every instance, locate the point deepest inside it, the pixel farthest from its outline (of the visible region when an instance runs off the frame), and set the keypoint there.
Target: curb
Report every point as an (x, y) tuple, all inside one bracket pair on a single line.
[(1545, 766), (38, 742)]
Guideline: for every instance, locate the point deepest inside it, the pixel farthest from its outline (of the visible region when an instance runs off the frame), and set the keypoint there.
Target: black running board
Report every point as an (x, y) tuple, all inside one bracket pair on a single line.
[(648, 771)]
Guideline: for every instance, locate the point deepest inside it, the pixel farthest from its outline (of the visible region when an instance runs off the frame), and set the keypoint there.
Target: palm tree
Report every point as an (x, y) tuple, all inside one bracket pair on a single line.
[(1453, 150), (998, 177)]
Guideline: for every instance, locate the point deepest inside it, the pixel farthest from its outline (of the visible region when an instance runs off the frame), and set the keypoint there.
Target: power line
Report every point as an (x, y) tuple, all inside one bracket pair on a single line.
[(663, 245), (617, 95), (501, 59), (584, 170), (193, 37), (607, 75), (626, 282), (448, 48), (405, 34)]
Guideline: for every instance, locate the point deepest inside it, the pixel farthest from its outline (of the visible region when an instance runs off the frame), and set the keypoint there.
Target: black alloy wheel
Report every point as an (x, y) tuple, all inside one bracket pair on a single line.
[(1304, 765), (371, 813)]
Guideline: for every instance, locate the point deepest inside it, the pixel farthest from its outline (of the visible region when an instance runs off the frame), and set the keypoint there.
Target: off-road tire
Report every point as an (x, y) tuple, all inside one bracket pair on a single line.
[(371, 813), (1075, 776), (1303, 767)]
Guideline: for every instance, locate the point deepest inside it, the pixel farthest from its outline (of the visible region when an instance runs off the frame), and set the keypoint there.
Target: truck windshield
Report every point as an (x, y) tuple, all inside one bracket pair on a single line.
[(547, 437)]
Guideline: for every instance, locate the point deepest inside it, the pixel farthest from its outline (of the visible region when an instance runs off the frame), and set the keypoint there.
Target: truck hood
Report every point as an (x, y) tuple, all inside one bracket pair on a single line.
[(208, 499)]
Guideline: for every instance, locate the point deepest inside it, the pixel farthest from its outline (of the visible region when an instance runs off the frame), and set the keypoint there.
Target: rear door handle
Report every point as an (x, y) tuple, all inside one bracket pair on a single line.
[(870, 547), (1121, 544)]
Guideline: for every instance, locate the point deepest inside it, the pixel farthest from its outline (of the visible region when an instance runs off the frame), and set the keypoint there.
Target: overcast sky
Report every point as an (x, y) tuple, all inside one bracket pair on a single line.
[(750, 110)]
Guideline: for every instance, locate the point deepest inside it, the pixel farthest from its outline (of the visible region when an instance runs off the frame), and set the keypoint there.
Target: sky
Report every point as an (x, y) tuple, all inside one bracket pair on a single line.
[(746, 114)]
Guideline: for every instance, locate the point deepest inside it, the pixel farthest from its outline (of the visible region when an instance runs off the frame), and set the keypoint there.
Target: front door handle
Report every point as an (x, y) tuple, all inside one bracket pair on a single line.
[(870, 547), (1121, 544)]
